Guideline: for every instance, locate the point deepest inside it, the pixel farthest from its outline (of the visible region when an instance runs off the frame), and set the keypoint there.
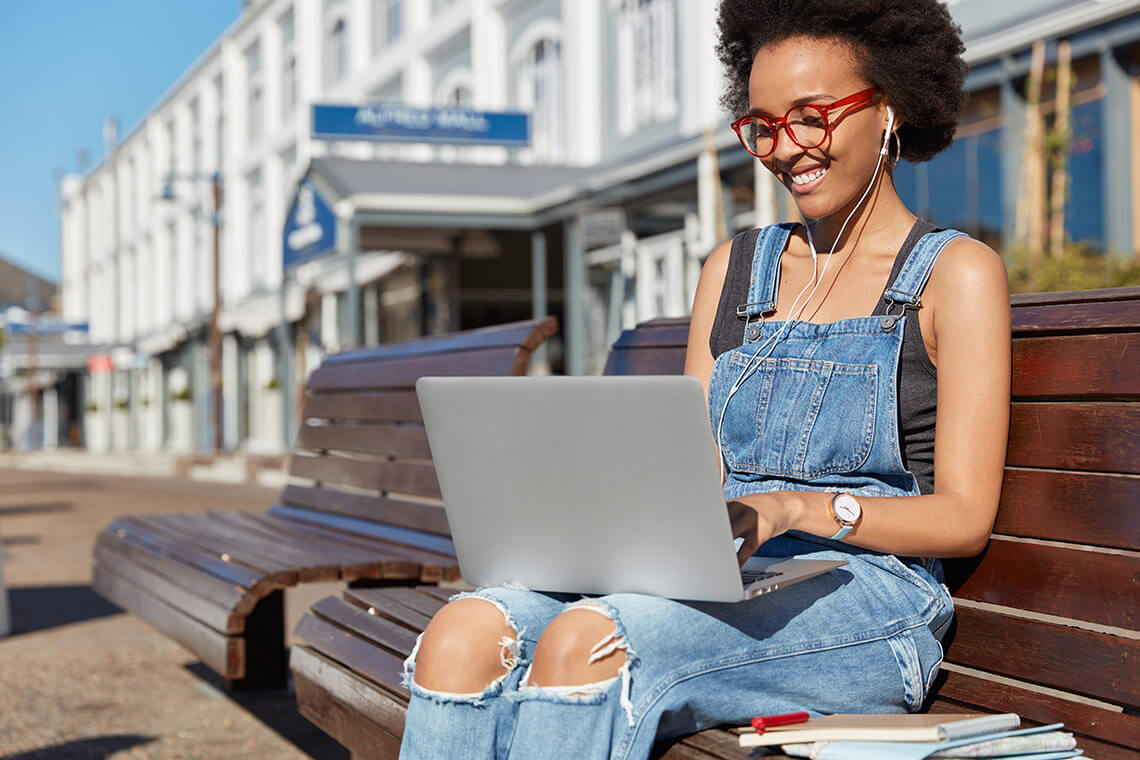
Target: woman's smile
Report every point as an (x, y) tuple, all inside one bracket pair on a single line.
[(802, 181)]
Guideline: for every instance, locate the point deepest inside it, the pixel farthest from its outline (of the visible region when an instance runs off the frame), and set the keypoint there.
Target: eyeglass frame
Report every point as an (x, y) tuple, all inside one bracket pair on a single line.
[(861, 99)]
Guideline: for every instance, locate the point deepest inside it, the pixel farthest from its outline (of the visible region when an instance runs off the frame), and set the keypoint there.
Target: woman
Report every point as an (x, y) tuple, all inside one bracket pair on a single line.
[(826, 382)]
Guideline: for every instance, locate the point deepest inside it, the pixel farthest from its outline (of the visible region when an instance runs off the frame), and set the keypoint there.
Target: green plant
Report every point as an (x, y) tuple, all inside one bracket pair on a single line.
[(272, 384), (91, 407), (1075, 268), (122, 404), (182, 395)]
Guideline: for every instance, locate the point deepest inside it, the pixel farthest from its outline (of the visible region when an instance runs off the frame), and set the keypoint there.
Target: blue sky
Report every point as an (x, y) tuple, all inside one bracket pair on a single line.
[(64, 65)]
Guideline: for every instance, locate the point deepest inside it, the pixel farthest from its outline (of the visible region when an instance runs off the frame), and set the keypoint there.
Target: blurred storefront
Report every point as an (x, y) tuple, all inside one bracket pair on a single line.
[(602, 216)]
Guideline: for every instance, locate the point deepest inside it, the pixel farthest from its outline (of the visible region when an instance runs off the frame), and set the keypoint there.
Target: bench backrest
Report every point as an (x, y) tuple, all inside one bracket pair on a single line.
[(1048, 621), (361, 444)]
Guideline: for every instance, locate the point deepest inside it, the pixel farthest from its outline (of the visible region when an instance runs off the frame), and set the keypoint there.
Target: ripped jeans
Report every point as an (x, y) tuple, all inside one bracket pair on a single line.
[(863, 638)]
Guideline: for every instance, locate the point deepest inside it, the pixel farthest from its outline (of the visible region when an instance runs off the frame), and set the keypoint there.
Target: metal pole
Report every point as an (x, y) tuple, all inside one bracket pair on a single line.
[(215, 336), (538, 288), (575, 299), (352, 241)]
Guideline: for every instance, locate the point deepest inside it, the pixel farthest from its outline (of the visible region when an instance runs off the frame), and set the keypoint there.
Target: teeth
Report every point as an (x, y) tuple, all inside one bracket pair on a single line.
[(812, 176)]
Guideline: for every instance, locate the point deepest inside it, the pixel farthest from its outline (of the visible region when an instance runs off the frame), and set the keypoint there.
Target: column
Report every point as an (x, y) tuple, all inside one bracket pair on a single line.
[(1117, 170), (575, 284), (539, 361), (1013, 133)]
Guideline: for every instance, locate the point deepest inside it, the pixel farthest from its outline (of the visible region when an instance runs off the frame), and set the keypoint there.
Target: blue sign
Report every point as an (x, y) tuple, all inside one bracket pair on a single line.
[(400, 123), (45, 326), (310, 227)]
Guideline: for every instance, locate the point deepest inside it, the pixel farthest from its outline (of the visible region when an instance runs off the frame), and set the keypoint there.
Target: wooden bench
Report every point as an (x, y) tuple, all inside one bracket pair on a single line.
[(362, 506), (1048, 621)]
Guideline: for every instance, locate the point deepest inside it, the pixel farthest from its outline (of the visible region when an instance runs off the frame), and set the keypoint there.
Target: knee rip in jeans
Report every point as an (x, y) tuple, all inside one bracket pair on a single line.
[(509, 657), (590, 693)]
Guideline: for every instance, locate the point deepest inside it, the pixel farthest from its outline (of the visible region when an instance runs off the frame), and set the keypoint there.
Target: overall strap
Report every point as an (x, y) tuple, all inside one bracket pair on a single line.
[(765, 271), (916, 270)]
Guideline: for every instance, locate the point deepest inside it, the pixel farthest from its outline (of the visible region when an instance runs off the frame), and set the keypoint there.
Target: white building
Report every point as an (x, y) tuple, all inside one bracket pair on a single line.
[(626, 130)]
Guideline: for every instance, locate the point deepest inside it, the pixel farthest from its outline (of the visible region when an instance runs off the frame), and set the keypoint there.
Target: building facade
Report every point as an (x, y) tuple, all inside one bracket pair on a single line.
[(633, 176)]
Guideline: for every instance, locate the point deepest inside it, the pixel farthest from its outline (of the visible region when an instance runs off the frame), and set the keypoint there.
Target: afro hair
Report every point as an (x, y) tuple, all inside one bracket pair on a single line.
[(910, 49)]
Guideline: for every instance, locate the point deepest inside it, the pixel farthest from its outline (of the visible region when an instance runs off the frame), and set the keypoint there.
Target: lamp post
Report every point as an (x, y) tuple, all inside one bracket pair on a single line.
[(214, 334)]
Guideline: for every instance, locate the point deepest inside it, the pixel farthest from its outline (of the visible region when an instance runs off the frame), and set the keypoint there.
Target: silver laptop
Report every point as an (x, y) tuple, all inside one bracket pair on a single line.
[(590, 485)]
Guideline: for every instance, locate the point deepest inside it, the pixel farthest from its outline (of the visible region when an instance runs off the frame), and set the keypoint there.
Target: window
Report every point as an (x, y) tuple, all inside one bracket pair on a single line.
[(257, 253), (387, 23), (288, 66), (540, 93), (647, 78), (256, 91), (336, 52)]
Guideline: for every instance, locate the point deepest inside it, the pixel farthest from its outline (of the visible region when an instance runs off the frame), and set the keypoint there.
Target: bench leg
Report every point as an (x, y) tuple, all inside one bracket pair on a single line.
[(266, 658)]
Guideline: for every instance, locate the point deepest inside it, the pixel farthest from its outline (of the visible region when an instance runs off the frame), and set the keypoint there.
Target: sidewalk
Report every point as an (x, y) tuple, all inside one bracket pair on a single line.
[(81, 679), (260, 469)]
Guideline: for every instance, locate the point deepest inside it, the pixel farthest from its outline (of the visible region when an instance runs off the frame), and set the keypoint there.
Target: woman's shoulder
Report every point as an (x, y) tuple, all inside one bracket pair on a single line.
[(968, 273)]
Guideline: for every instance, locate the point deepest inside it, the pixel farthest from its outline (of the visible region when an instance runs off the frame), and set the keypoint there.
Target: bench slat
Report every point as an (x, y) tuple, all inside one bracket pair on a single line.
[(1105, 315), (1077, 366), (380, 631), (657, 361), (344, 705), (1039, 707), (389, 607), (1079, 507), (1103, 437), (403, 374), (408, 514), (375, 406), (402, 477), (1058, 581), (377, 665), (391, 440), (243, 547), (205, 610), (431, 549), (130, 529), (526, 335), (385, 560), (1094, 664), (193, 579), (225, 654)]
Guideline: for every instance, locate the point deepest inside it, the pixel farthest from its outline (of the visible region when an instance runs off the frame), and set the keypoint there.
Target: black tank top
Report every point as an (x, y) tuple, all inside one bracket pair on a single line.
[(917, 380)]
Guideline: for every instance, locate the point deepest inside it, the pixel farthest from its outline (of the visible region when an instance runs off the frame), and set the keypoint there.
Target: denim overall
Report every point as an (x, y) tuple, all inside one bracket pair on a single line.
[(818, 413)]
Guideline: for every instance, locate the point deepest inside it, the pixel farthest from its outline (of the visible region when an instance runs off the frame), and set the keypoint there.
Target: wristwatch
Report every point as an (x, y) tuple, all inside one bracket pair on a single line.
[(846, 510)]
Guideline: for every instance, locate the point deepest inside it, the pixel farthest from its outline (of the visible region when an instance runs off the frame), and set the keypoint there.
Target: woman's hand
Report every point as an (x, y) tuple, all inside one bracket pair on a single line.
[(758, 517)]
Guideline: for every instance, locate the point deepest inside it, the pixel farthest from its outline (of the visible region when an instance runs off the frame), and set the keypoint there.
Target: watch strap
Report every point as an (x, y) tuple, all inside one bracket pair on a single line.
[(839, 534)]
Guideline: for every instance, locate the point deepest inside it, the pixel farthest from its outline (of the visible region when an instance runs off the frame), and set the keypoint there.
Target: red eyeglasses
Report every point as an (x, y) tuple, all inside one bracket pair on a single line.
[(809, 126)]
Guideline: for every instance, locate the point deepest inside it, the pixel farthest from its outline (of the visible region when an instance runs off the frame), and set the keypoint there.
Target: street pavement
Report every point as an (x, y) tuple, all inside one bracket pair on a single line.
[(81, 679)]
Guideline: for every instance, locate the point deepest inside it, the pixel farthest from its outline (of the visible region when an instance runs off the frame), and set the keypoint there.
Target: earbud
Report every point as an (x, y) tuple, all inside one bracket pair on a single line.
[(887, 136)]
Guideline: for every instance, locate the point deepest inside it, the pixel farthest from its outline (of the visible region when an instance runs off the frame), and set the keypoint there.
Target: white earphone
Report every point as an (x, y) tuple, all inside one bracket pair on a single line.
[(795, 311)]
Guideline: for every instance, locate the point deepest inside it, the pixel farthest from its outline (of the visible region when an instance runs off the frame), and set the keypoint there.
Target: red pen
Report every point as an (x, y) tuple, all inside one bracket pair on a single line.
[(763, 722)]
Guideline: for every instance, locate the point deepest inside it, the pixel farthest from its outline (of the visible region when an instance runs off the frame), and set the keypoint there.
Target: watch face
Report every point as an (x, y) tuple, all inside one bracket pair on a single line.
[(846, 508)]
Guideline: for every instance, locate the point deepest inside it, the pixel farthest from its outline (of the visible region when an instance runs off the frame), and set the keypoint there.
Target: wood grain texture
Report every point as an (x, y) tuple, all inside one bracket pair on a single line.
[(384, 439), (340, 704), (1078, 507), (1103, 437), (408, 514), (1093, 664), (365, 406), (413, 478), (992, 696), (403, 374), (1085, 366), (526, 335), (652, 361), (1083, 585)]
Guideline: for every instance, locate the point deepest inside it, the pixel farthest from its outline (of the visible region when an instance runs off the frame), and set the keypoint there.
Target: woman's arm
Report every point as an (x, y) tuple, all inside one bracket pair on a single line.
[(969, 295)]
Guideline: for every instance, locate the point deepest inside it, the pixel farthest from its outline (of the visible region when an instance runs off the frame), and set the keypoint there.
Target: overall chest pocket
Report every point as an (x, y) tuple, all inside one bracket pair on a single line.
[(801, 418)]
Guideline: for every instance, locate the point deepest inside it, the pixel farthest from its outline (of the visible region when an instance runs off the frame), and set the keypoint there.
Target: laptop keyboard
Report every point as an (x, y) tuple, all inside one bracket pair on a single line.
[(752, 577)]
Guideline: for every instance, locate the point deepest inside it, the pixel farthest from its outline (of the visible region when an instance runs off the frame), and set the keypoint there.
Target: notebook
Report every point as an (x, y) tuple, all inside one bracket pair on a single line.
[(891, 727)]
